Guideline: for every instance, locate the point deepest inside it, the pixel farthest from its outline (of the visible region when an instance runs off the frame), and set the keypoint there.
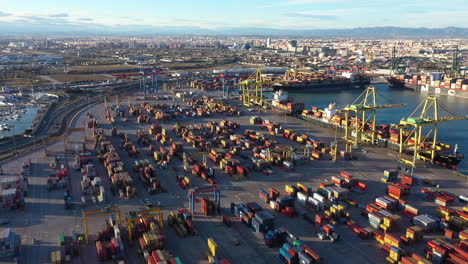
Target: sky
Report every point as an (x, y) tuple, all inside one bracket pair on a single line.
[(218, 14)]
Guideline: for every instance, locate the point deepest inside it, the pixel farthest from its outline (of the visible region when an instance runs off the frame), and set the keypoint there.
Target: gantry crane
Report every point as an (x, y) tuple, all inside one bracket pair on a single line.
[(145, 214), (413, 126), (254, 82), (193, 193), (144, 74), (201, 153), (334, 148), (101, 212), (364, 103), (293, 74)]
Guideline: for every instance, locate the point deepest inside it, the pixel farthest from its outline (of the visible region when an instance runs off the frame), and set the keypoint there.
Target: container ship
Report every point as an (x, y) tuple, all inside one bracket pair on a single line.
[(281, 102), (434, 83), (386, 136), (305, 81)]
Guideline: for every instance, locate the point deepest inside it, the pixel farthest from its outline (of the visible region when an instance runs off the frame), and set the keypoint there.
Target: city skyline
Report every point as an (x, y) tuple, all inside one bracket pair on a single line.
[(207, 14)]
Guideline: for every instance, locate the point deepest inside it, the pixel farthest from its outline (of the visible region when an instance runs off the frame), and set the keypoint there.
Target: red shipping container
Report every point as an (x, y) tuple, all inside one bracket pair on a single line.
[(406, 179), (457, 259), (346, 174), (292, 252), (312, 254), (408, 260), (318, 219), (274, 193), (327, 229), (371, 208), (462, 252), (360, 185)]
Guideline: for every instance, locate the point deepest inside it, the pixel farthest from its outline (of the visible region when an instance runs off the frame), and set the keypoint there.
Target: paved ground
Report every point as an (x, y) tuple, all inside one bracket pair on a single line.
[(45, 217)]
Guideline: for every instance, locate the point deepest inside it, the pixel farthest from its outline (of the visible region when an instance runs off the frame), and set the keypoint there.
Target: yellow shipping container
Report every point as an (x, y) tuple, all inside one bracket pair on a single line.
[(395, 255), (381, 241), (288, 189), (384, 228), (387, 221), (300, 186), (391, 260), (212, 246)]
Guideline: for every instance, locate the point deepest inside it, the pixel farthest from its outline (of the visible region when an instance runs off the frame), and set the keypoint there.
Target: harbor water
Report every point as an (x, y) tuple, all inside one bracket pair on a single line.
[(452, 132), (18, 126)]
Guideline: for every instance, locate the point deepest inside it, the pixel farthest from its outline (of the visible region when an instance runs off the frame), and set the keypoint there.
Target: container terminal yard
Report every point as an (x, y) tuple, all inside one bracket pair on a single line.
[(139, 180)]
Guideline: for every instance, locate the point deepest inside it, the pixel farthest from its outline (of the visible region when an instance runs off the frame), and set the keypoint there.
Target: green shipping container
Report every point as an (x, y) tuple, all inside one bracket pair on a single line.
[(62, 239)]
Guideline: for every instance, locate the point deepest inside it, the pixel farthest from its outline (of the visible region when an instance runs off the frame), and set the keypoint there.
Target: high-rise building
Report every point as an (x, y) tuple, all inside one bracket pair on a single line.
[(268, 42)]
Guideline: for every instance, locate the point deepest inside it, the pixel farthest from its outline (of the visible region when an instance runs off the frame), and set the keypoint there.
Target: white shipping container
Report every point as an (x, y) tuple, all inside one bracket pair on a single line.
[(287, 164), (375, 218), (116, 231), (319, 197), (301, 196), (272, 204), (385, 213)]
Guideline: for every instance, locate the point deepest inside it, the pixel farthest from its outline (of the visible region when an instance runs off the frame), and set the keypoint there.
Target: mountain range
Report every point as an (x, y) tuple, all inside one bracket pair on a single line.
[(84, 29)]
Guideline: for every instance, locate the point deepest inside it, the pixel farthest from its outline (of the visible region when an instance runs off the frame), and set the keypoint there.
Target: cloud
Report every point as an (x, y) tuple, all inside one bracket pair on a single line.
[(4, 14), (36, 18), (313, 16), (307, 2), (59, 15), (85, 19), (417, 12)]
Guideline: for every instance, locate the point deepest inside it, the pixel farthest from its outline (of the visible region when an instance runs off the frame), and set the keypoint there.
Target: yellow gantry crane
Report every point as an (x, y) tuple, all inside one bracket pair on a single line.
[(364, 108), (335, 149), (293, 74), (100, 212), (252, 89), (412, 127), (145, 214)]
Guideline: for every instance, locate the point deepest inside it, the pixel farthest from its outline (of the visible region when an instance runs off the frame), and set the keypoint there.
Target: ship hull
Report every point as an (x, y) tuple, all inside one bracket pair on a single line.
[(311, 87), (429, 89)]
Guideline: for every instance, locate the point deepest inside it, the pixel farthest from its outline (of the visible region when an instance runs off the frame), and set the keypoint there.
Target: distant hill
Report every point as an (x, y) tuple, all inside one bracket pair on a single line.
[(18, 28)]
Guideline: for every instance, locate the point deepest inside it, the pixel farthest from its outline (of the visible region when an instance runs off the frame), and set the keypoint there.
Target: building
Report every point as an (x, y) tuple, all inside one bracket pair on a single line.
[(268, 42)]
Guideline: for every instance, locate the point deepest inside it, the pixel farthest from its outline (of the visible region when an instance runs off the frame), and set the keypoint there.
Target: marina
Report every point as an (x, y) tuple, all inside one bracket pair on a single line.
[(16, 120)]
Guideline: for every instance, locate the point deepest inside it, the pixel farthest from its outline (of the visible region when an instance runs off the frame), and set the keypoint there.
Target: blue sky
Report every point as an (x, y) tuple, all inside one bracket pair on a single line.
[(212, 14)]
